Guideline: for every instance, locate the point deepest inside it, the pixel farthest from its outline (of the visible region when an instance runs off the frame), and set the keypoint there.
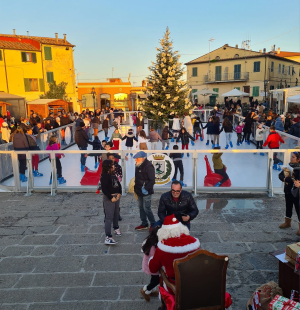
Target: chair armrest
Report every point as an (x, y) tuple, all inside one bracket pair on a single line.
[(167, 282)]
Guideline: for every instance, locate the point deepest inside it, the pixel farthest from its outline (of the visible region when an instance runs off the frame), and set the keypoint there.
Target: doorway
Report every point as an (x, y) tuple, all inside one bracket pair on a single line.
[(247, 89)]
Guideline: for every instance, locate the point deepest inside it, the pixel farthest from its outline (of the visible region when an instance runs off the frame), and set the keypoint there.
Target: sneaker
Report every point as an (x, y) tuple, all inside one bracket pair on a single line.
[(213, 146), (238, 144), (118, 233), (151, 227), (141, 227), (110, 241)]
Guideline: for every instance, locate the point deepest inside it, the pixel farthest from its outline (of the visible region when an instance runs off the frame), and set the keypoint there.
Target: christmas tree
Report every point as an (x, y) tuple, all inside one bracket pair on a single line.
[(167, 93)]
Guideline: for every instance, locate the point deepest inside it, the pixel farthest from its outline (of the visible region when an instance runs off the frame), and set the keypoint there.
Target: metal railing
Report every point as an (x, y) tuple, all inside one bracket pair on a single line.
[(226, 77)]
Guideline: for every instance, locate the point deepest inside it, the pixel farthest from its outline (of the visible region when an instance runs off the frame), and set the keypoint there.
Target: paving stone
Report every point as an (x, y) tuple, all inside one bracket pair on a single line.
[(261, 247), (44, 250), (9, 220), (31, 295), (241, 290), (79, 239), (37, 221), (80, 229), (44, 230), (91, 293), (81, 249), (232, 277), (7, 281), (118, 263), (73, 220), (280, 245), (256, 227), (239, 262), (17, 265), (89, 305), (225, 248), (125, 248), (55, 280), (251, 277), (10, 240), (206, 227), (16, 250), (135, 305), (120, 278), (271, 276), (39, 239), (50, 264), (14, 307), (132, 293), (238, 304), (8, 231), (207, 236), (249, 237), (263, 261), (100, 228)]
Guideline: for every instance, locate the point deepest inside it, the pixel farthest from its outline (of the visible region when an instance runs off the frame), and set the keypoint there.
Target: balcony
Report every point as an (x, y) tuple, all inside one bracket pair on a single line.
[(226, 77)]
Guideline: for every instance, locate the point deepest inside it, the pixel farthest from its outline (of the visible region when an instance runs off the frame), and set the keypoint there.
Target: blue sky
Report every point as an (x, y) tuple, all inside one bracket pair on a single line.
[(124, 34)]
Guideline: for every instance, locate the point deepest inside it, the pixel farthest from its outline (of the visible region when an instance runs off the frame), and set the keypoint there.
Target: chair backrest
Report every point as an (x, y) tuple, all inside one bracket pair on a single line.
[(200, 280)]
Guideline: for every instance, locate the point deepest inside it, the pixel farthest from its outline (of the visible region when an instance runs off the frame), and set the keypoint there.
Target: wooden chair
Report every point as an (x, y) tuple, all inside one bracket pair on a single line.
[(200, 281)]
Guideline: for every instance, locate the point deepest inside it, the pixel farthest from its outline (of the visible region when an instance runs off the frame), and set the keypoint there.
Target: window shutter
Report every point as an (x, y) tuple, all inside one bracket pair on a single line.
[(33, 57), (255, 91), (218, 73), (23, 54), (272, 66), (195, 71), (279, 68), (42, 85), (1, 55), (50, 77), (26, 84), (48, 53), (216, 90)]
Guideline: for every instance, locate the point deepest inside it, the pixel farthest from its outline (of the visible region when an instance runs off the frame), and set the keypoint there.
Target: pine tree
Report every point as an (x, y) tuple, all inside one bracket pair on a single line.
[(167, 93)]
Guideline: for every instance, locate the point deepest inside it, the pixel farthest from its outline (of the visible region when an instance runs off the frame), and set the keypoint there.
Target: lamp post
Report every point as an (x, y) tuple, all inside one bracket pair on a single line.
[(93, 92)]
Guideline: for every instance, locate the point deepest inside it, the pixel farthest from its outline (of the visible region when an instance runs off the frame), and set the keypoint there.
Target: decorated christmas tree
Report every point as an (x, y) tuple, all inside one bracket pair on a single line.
[(167, 93)]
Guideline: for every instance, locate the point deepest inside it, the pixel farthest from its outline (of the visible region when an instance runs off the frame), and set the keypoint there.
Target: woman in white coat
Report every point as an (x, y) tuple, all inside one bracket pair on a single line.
[(176, 126), (188, 125)]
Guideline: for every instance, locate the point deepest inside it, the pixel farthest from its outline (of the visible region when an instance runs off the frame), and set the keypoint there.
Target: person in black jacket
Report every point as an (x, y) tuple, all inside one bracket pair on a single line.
[(185, 139), (105, 127), (129, 140), (139, 122), (295, 129), (112, 190), (178, 202), (144, 183), (290, 191), (177, 160), (82, 141), (228, 128), (209, 131), (197, 125)]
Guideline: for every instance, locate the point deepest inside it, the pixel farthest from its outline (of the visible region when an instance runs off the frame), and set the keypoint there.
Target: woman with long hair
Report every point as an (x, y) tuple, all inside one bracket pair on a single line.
[(185, 139), (249, 120), (216, 130), (142, 140), (228, 128), (112, 190)]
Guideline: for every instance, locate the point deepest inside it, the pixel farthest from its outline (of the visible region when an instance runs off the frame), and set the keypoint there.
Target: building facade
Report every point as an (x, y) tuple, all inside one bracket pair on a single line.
[(112, 94), (252, 72), (29, 63)]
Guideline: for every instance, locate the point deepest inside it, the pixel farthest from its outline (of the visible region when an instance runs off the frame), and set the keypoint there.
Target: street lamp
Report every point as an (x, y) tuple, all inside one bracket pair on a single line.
[(93, 92)]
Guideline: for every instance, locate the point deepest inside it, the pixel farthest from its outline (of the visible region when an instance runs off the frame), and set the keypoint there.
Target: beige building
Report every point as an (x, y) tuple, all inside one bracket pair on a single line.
[(252, 72)]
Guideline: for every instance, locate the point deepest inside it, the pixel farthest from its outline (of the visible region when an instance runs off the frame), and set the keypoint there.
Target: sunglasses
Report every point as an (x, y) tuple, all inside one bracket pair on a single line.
[(177, 192)]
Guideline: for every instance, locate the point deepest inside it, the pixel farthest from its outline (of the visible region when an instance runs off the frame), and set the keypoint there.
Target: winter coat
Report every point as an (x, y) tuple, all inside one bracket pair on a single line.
[(210, 128), (145, 264), (187, 123), (175, 156), (176, 124), (139, 122), (142, 140), (95, 120), (295, 130), (279, 124), (228, 128), (198, 124), (110, 185), (144, 176), (5, 134), (118, 171), (81, 137), (53, 147), (288, 183), (154, 136), (64, 120), (217, 161), (185, 205), (273, 140), (78, 121), (165, 133), (185, 138), (129, 139), (269, 123), (239, 129), (216, 128), (32, 142), (105, 124), (20, 142), (115, 136), (248, 125), (259, 135)]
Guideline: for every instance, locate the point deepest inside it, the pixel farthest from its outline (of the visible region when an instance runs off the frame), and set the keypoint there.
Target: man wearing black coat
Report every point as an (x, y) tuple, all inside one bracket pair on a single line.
[(82, 141), (178, 202), (144, 183), (295, 129)]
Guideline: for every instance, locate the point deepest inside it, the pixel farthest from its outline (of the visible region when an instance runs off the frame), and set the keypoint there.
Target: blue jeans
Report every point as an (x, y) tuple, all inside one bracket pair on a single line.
[(159, 223), (82, 157), (144, 203), (105, 131), (228, 137)]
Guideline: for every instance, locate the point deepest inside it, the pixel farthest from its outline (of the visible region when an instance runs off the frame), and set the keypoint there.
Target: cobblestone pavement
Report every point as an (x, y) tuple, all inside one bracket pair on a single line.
[(53, 257)]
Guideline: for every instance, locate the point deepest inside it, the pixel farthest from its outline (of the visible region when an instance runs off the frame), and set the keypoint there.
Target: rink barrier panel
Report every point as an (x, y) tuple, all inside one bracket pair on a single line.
[(30, 187)]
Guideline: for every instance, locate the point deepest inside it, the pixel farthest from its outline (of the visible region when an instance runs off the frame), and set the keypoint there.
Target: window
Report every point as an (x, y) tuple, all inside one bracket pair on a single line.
[(195, 71), (28, 57), (31, 85), (236, 56), (48, 53), (282, 69), (50, 77), (1, 56), (194, 91), (256, 66), (279, 68), (216, 90), (289, 70), (237, 72), (272, 87), (218, 73), (255, 91), (272, 66)]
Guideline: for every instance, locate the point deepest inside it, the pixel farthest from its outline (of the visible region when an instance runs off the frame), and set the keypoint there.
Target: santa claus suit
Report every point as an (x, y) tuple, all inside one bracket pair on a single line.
[(188, 125)]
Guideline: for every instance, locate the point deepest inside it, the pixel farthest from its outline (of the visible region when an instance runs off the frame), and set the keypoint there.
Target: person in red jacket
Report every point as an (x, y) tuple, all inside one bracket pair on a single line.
[(273, 143)]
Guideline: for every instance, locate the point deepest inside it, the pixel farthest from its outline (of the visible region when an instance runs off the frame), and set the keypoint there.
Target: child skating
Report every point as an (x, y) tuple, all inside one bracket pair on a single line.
[(259, 137), (185, 139), (239, 130), (197, 128), (165, 138), (130, 137), (175, 127), (177, 160), (228, 128), (209, 131)]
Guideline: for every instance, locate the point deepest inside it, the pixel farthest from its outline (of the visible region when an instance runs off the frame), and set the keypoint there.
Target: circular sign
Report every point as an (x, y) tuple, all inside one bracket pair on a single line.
[(164, 168)]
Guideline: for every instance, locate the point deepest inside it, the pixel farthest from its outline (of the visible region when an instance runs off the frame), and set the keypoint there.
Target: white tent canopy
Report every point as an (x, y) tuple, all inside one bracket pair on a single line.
[(235, 93), (293, 99), (205, 92)]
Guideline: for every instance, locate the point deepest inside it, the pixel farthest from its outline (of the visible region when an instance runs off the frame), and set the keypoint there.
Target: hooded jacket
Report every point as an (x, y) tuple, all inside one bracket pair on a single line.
[(273, 140), (81, 137), (129, 139), (295, 130), (185, 138), (279, 124), (144, 176)]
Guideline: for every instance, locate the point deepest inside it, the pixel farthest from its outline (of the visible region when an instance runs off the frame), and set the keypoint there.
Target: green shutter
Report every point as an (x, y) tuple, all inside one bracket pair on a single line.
[(50, 77), (256, 66), (33, 57), (237, 72), (195, 71), (1, 56), (42, 85), (216, 90), (26, 84), (218, 73), (272, 66), (23, 55), (255, 91), (48, 53)]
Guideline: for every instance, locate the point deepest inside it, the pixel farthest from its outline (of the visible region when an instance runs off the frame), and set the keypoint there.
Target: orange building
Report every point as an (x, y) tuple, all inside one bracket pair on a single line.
[(112, 94)]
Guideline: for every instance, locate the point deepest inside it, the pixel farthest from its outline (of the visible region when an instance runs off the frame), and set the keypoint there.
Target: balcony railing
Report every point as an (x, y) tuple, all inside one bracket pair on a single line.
[(226, 77)]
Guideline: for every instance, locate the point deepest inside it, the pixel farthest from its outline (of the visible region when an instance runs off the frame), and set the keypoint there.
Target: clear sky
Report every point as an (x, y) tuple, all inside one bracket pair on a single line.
[(123, 34)]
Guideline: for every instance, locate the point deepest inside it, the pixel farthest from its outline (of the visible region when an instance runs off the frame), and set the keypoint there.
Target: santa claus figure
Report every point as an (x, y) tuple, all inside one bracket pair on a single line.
[(174, 241)]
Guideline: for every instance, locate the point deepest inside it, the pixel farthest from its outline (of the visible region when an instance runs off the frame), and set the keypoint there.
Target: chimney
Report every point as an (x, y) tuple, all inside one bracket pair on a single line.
[(236, 46), (56, 37), (260, 51), (14, 30), (65, 38), (28, 34), (265, 50), (278, 50)]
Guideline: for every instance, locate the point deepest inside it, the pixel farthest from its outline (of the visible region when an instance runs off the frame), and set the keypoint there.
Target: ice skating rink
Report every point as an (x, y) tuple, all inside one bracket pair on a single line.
[(244, 169)]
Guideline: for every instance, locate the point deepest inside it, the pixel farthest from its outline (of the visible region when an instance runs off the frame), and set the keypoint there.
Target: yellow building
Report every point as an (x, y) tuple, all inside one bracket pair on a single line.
[(253, 72), (29, 63)]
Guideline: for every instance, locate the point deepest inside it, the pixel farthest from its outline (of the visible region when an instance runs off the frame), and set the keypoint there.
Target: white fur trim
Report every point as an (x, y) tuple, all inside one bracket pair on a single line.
[(149, 260), (168, 232), (171, 226), (179, 249)]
